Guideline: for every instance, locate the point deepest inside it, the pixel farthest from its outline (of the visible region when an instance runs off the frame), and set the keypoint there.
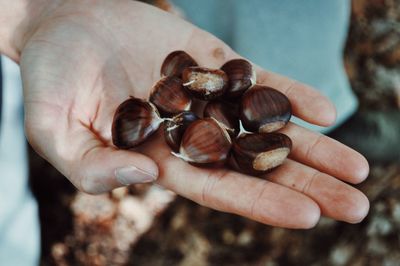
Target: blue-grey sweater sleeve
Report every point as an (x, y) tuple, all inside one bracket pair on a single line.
[(300, 39), (1, 91)]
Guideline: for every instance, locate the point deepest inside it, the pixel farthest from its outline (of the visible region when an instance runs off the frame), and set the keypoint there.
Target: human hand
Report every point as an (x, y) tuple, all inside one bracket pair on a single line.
[(85, 57)]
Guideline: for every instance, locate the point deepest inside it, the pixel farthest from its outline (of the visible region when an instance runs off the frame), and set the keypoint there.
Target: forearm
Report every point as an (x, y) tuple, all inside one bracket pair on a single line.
[(18, 20)]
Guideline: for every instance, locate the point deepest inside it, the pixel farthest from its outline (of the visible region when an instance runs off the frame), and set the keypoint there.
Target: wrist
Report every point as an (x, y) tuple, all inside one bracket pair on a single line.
[(18, 21)]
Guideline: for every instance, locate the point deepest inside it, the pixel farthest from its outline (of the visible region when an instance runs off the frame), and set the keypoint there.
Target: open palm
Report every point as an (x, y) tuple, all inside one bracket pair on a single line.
[(86, 58)]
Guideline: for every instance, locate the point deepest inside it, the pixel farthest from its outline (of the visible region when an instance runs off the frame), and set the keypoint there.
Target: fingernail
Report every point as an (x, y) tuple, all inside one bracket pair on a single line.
[(133, 175)]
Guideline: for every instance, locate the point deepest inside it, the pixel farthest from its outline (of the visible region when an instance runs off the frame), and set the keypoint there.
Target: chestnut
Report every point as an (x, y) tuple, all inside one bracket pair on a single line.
[(174, 129), (134, 121), (204, 83), (169, 96), (205, 143), (236, 129), (175, 63), (241, 75), (258, 153), (264, 109), (224, 113)]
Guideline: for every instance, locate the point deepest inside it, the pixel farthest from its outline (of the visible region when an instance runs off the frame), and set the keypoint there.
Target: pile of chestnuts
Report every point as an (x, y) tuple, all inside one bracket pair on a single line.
[(237, 124)]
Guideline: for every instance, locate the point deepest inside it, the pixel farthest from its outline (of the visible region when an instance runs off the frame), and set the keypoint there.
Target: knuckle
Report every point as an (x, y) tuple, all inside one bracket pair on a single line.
[(209, 185), (313, 147), (256, 200), (310, 182), (290, 87)]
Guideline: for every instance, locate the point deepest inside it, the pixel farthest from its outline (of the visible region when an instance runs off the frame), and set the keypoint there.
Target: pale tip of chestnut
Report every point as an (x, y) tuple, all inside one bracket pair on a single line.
[(271, 127), (205, 83), (264, 109), (270, 159), (181, 155), (260, 152), (188, 83)]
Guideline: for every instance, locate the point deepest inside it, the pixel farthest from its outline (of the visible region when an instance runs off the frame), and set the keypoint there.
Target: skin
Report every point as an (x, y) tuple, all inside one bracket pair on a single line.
[(80, 59)]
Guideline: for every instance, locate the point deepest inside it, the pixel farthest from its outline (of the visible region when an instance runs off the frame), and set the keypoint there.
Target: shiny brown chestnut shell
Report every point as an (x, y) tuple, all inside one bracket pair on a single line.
[(175, 63), (134, 121), (224, 113), (264, 109), (205, 142), (175, 128), (205, 83), (169, 96), (258, 153), (241, 76)]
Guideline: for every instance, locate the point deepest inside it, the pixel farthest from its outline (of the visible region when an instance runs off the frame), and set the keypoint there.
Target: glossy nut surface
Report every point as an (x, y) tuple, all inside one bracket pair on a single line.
[(205, 83), (264, 109), (224, 113), (175, 128), (169, 96), (205, 141), (260, 152), (175, 63), (241, 76), (134, 121)]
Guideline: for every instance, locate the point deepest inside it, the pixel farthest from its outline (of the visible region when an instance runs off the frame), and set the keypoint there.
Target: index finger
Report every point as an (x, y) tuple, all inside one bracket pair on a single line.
[(232, 192)]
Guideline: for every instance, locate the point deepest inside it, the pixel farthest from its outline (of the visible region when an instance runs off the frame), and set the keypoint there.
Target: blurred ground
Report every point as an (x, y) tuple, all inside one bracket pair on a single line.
[(136, 226)]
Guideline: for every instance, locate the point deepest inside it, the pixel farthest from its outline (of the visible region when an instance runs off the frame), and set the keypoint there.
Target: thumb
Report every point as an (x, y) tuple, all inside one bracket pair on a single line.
[(102, 169)]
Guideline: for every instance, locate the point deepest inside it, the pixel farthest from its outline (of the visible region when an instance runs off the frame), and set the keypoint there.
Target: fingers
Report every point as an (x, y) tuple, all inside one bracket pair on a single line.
[(326, 154), (254, 198), (232, 192), (335, 198), (307, 103), (102, 169)]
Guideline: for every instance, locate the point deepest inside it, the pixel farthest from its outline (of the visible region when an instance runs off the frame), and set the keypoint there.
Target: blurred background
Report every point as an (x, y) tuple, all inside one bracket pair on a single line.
[(145, 225)]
